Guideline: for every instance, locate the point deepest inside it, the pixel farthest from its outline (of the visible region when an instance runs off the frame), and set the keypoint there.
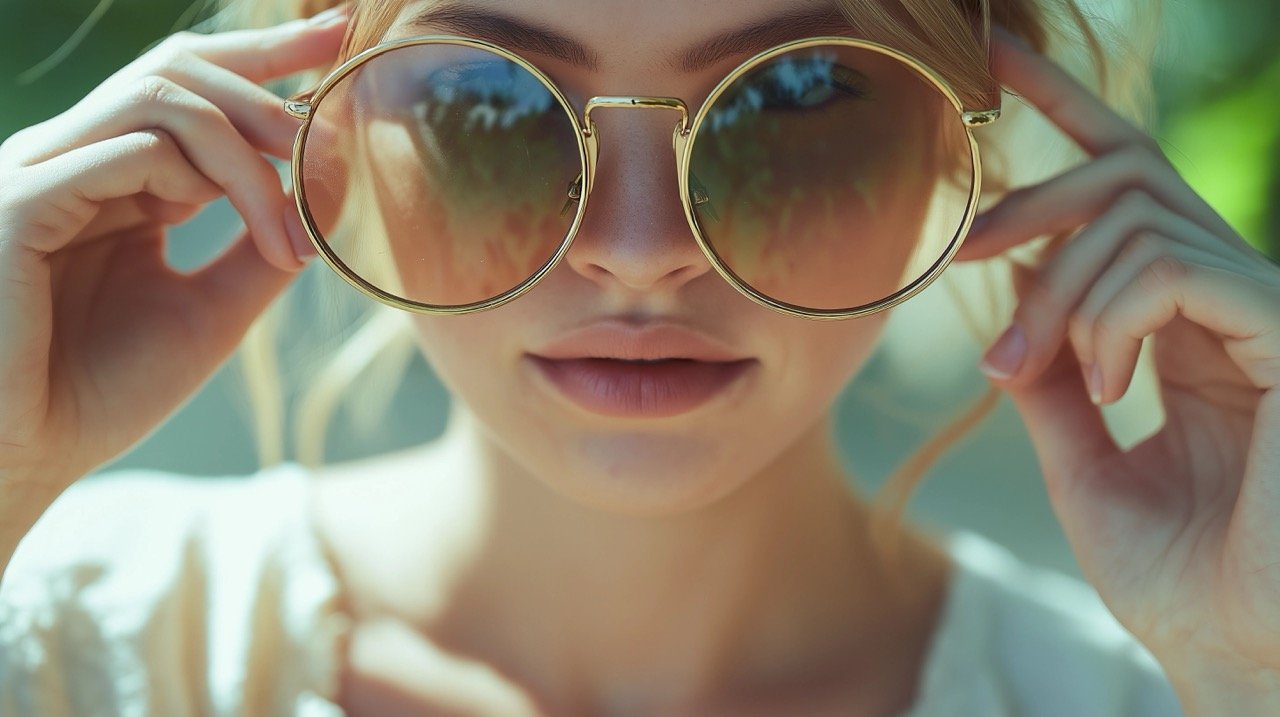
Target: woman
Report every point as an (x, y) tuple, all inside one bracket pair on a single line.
[(637, 507)]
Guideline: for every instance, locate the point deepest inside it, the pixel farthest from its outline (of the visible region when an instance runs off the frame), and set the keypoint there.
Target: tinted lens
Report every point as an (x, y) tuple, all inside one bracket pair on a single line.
[(830, 177), (441, 174)]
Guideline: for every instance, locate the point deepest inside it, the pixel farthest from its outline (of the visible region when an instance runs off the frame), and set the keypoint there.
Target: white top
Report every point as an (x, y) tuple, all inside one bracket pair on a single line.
[(150, 593)]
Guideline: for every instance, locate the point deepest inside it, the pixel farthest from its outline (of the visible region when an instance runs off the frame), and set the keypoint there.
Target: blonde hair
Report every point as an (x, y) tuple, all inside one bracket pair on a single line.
[(948, 35)]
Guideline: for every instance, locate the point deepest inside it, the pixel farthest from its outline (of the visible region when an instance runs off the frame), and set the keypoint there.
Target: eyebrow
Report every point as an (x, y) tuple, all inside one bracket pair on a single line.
[(517, 34)]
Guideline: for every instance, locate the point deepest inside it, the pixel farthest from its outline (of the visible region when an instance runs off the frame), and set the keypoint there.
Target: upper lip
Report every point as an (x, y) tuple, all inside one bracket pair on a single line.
[(632, 342)]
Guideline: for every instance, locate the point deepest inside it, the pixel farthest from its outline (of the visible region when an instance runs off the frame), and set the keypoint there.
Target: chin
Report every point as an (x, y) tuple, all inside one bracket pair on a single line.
[(645, 474)]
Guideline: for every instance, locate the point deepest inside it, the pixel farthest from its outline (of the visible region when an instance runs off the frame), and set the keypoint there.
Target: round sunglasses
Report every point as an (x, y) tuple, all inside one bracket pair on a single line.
[(825, 178)]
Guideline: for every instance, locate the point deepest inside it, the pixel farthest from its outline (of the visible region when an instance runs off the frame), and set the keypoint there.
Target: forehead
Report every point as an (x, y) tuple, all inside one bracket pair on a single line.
[(637, 35)]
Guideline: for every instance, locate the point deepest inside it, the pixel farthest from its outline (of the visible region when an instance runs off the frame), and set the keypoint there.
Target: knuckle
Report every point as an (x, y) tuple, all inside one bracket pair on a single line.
[(1038, 296), (9, 147), (38, 216), (1136, 153), (1145, 148), (179, 43), (155, 141), (205, 115), (9, 199), (1143, 244), (1106, 330), (1080, 327), (266, 178), (1136, 204), (181, 104), (1165, 272), (1154, 157), (1139, 163), (157, 90), (1145, 156), (1037, 292), (169, 52)]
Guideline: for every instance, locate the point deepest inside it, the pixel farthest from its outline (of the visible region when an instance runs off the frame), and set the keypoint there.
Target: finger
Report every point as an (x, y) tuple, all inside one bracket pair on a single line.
[(1086, 326), (232, 290), (132, 212), (1055, 290), (1243, 311), (1076, 197), (270, 53), (205, 64), (53, 201), (211, 143), (256, 113), (163, 212), (1060, 97), (1066, 428), (121, 107)]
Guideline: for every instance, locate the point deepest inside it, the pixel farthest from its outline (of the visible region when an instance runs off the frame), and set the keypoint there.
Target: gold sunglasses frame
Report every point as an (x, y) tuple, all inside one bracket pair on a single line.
[(303, 106)]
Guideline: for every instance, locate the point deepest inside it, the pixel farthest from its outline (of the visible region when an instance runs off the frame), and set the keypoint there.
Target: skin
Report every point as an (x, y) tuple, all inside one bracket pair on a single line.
[(695, 521), (722, 565)]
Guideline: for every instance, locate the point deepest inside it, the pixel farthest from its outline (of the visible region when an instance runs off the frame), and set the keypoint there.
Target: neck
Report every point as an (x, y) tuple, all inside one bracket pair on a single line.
[(775, 582)]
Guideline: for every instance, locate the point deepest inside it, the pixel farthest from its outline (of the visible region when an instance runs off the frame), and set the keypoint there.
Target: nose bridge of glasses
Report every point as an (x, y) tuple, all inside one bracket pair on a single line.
[(666, 103), (679, 137)]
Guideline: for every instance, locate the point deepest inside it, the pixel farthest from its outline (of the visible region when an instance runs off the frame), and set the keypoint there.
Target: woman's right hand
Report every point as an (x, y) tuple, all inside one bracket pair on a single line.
[(100, 340)]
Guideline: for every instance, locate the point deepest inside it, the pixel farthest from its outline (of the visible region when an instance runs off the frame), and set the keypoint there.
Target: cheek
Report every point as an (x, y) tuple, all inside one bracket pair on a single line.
[(442, 252), (466, 351), (834, 209), (469, 215), (823, 356)]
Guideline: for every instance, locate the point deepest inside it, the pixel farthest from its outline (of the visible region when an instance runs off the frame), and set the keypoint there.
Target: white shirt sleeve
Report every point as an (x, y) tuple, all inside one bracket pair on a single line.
[(1017, 640)]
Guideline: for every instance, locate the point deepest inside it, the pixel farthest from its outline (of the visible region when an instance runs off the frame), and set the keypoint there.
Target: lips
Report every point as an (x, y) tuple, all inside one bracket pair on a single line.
[(654, 371)]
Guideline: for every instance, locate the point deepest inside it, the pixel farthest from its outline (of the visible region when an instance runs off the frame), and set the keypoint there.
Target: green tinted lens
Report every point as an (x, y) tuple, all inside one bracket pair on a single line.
[(830, 177), (442, 174)]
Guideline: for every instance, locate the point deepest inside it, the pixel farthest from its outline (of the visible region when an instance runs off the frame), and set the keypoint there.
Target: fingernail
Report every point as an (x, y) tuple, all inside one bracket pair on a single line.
[(330, 16), (1095, 384), (303, 249), (1005, 357)]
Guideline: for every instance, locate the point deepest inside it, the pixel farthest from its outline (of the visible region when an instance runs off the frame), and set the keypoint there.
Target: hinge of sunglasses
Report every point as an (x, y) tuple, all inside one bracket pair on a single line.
[(980, 118), (299, 106)]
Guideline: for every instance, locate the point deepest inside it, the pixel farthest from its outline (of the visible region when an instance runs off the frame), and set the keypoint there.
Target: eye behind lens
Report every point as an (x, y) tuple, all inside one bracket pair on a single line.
[(459, 166), (819, 179)]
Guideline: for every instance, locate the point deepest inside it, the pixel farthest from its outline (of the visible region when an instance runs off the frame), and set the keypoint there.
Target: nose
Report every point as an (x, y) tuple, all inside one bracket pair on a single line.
[(634, 235)]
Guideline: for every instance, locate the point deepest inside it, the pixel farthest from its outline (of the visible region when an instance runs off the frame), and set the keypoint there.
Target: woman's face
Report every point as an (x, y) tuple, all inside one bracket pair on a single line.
[(555, 376)]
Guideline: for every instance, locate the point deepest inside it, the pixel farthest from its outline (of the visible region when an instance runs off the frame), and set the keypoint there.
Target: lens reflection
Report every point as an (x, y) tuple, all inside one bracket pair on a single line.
[(830, 177), (442, 174)]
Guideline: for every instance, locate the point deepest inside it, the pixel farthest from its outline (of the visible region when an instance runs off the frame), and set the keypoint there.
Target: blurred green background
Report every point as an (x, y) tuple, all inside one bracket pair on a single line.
[(1218, 84)]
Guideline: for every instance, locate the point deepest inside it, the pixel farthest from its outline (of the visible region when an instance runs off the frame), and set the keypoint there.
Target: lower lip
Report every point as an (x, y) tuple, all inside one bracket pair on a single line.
[(632, 389)]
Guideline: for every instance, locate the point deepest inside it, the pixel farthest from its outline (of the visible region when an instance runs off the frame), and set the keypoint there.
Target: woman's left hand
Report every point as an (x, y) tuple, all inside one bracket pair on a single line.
[(1180, 534)]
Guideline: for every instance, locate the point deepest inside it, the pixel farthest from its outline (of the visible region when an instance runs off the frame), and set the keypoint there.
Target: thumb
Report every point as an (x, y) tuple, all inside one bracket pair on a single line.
[(235, 288)]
